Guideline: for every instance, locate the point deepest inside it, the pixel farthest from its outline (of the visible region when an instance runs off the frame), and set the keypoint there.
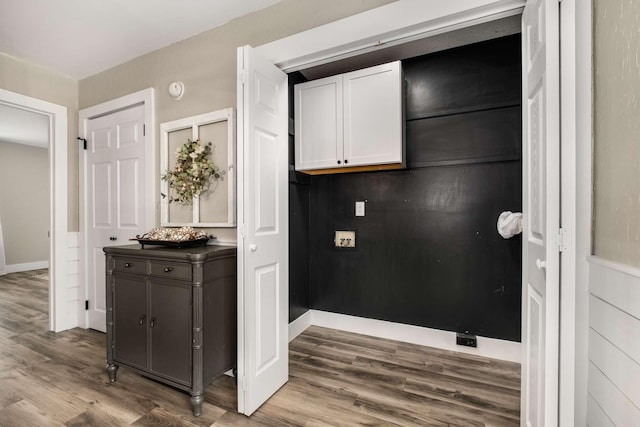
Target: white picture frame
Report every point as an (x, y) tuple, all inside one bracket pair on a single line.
[(216, 207)]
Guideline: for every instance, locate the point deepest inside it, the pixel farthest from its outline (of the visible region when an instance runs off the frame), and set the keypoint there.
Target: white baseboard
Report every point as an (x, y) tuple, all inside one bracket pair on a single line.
[(27, 266), (299, 325), (487, 347)]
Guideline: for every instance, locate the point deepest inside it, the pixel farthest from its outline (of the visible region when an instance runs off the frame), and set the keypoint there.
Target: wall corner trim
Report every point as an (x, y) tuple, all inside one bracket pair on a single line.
[(299, 325)]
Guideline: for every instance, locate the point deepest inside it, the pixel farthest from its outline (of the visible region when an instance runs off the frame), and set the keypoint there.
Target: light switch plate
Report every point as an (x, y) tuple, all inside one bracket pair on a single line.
[(345, 239), (359, 208)]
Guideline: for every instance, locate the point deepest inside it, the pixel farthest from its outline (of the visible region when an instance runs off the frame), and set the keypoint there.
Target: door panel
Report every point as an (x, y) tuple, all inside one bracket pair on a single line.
[(170, 331), (541, 207), (373, 115), (266, 282), (128, 194), (115, 195), (130, 321), (263, 242), (101, 207), (319, 123)]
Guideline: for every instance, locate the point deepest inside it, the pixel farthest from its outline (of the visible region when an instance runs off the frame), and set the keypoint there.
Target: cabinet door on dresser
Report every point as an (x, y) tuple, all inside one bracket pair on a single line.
[(170, 314), (130, 321), (373, 117), (318, 124)]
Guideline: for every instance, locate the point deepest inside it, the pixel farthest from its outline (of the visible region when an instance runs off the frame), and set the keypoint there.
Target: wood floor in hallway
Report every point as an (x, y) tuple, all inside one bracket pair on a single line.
[(336, 379)]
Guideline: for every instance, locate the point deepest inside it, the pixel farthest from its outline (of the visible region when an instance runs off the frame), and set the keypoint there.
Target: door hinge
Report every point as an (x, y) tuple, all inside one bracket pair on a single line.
[(84, 142), (244, 383), (86, 304), (243, 231), (561, 240), (243, 76), (144, 130)]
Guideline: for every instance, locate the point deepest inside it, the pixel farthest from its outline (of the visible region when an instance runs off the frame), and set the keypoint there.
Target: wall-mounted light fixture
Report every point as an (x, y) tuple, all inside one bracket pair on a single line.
[(176, 90)]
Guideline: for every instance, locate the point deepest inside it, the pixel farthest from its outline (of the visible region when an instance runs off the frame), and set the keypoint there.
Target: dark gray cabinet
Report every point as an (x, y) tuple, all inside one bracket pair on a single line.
[(171, 314)]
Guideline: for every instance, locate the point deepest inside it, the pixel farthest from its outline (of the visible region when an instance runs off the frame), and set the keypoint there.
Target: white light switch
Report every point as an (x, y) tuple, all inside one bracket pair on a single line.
[(359, 208)]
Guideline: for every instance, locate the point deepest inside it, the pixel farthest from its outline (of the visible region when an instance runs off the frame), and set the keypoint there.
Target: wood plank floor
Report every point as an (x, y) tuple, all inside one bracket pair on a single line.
[(336, 379)]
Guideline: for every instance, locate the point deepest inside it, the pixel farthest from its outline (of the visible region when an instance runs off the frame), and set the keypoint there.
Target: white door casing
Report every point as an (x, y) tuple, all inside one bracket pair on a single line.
[(263, 230), (541, 201), (126, 167), (115, 195), (62, 298)]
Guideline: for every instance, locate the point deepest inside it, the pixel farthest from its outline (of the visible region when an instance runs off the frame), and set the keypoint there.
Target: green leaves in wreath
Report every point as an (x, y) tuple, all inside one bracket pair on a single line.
[(193, 172)]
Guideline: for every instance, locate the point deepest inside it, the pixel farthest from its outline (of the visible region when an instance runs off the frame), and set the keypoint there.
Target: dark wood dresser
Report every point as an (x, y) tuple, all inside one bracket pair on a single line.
[(171, 314)]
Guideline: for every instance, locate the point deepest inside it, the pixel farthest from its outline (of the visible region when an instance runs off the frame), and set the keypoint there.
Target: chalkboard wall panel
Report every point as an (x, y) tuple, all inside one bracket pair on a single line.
[(468, 78), (428, 252), (299, 250), (479, 136), (298, 225)]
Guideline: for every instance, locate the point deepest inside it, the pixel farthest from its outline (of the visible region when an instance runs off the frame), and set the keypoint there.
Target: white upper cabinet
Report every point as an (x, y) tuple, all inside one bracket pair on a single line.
[(352, 121), (318, 123)]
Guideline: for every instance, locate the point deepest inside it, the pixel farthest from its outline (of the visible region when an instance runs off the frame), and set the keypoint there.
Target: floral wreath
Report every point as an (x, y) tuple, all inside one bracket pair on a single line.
[(193, 172)]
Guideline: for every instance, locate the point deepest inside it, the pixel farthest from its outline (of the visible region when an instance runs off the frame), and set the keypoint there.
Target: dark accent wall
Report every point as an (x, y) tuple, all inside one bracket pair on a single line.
[(299, 244), (428, 252)]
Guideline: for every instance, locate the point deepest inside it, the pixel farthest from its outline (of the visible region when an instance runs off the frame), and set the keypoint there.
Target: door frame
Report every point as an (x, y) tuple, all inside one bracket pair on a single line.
[(145, 97), (60, 311), (408, 20)]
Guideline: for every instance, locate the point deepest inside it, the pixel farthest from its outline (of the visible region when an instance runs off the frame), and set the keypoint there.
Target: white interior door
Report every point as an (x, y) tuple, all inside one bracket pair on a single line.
[(263, 242), (541, 207), (115, 169)]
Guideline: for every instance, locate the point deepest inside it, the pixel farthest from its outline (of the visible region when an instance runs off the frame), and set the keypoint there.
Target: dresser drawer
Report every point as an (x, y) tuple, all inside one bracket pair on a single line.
[(131, 265), (173, 270)]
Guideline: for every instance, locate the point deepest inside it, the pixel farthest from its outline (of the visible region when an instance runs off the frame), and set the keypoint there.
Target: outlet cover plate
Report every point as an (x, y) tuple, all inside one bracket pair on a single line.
[(359, 208), (345, 239)]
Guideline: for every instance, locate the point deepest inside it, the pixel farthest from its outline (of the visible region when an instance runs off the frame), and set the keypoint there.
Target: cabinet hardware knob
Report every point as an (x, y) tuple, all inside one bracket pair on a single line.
[(541, 264), (153, 322), (168, 269), (339, 162), (127, 264), (253, 247), (346, 161), (141, 320), (113, 238)]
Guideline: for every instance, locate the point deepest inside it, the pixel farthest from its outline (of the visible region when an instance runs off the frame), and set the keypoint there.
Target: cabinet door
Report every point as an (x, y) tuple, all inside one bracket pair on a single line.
[(318, 124), (170, 330), (130, 321), (373, 122)]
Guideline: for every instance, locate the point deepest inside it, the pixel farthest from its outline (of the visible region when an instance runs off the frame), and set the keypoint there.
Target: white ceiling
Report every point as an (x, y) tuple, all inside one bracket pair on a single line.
[(80, 38)]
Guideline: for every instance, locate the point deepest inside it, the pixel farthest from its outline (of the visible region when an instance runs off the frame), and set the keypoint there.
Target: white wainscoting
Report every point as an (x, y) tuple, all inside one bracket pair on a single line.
[(614, 348), (445, 340), (69, 291)]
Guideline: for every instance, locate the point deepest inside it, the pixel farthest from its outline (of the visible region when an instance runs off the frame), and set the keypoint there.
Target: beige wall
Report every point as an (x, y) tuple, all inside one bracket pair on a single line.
[(206, 63), (37, 82), (617, 130), (24, 202)]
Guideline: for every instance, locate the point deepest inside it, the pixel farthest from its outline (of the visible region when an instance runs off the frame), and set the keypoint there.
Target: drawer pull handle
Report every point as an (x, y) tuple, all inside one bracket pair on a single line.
[(141, 320), (168, 269), (127, 264), (153, 322)]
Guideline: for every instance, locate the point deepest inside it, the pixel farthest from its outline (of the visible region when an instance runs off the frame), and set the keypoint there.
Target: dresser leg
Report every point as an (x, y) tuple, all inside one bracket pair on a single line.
[(196, 404), (112, 370)]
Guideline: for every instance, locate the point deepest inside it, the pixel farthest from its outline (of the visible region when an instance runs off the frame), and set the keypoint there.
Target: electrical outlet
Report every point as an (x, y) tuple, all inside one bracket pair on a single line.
[(345, 239), (466, 339)]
